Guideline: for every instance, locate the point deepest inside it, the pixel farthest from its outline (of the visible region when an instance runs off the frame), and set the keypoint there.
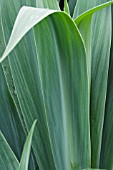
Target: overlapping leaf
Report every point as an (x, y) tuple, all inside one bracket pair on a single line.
[(83, 6), (24, 162), (106, 159), (99, 68), (7, 158), (57, 101), (100, 65), (10, 124), (8, 15)]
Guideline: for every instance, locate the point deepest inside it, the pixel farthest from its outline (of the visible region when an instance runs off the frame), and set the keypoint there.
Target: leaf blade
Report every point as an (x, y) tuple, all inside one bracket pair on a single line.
[(98, 70), (7, 158), (26, 150), (107, 140), (57, 160)]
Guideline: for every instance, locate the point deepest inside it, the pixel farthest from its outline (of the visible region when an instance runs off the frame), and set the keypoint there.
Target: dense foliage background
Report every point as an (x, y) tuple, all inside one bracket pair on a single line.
[(60, 74)]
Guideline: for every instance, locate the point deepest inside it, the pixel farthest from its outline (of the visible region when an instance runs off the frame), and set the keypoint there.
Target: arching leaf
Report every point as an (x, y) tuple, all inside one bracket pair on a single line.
[(58, 101)]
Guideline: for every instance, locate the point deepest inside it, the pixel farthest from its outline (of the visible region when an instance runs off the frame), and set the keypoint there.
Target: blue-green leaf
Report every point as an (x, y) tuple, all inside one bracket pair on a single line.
[(24, 162)]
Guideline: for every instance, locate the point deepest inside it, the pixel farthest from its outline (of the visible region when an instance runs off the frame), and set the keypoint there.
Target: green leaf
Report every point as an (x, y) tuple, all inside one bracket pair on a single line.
[(52, 86), (24, 162), (51, 4), (83, 6), (106, 159), (84, 23), (32, 17), (93, 169), (7, 158), (91, 11), (10, 124), (72, 4), (100, 66), (66, 7), (98, 70)]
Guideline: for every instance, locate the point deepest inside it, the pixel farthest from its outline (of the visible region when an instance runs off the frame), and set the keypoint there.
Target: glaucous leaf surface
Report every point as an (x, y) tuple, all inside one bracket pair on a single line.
[(99, 68), (24, 162), (10, 124), (59, 103), (106, 159), (72, 4), (7, 158), (9, 10), (54, 99)]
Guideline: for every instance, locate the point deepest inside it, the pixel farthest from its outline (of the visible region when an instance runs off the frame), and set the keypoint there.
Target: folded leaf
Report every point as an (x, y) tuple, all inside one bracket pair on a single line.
[(106, 159), (52, 86), (100, 66), (84, 23), (33, 16), (99, 69), (83, 6)]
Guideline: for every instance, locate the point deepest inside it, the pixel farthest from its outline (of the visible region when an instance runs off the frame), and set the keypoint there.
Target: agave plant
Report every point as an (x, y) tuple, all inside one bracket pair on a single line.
[(56, 68)]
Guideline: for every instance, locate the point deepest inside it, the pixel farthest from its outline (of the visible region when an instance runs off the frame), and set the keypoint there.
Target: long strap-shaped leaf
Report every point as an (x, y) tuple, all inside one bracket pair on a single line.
[(61, 103), (30, 107), (91, 11), (66, 68), (83, 6), (84, 23), (107, 141), (8, 13), (10, 124), (32, 18), (7, 158), (100, 66), (24, 162), (99, 69)]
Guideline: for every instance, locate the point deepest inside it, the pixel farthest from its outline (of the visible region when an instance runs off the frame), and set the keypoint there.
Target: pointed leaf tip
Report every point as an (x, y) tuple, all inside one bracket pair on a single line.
[(24, 162)]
